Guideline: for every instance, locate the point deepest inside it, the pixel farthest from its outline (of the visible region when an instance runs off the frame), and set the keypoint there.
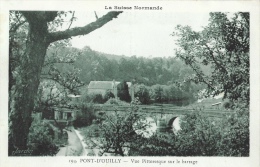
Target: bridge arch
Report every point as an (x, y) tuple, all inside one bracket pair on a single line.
[(170, 122), (174, 124)]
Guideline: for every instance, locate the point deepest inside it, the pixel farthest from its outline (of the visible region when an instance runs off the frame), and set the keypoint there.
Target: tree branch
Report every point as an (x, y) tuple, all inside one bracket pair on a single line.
[(14, 28), (60, 35), (198, 73), (71, 20), (215, 61)]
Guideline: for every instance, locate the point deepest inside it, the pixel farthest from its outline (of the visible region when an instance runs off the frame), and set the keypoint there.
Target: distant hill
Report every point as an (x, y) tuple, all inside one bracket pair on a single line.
[(97, 66), (113, 57), (106, 55)]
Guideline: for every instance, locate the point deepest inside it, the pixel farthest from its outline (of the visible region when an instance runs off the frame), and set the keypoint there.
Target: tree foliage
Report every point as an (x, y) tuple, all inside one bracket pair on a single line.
[(85, 115), (235, 134), (108, 95), (224, 46), (117, 131), (199, 136), (142, 93), (123, 92), (158, 93), (59, 67), (172, 93), (41, 139), (160, 144), (97, 66)]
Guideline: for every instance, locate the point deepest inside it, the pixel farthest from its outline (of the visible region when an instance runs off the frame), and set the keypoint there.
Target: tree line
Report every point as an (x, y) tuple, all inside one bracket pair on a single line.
[(156, 80), (96, 66)]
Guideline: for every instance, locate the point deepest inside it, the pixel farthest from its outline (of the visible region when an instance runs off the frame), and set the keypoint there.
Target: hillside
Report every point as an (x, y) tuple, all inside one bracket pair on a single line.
[(156, 73)]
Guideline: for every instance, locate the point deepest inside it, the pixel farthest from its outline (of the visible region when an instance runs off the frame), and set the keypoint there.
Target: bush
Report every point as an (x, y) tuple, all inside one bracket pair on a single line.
[(108, 95), (117, 132), (143, 94), (98, 98), (41, 139), (198, 136), (235, 134), (204, 136), (90, 131), (123, 92), (85, 116), (92, 98), (227, 104), (162, 144)]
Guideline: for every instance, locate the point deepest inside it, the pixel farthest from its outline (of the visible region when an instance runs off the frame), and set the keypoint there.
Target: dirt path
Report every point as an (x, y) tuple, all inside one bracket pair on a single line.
[(90, 146), (74, 147), (80, 146), (81, 138), (87, 150)]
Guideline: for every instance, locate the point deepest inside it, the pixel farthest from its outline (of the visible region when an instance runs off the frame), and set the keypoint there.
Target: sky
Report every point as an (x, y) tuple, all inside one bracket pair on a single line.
[(146, 34)]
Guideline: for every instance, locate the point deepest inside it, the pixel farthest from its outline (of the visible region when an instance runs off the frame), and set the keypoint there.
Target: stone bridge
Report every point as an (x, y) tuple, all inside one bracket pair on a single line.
[(167, 115), (160, 113)]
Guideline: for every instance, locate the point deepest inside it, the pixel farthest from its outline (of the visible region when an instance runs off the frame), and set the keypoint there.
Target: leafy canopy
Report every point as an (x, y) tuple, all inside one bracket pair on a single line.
[(224, 46)]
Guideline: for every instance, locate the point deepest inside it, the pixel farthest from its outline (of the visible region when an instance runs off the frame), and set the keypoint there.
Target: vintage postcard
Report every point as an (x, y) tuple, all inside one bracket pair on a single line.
[(136, 83)]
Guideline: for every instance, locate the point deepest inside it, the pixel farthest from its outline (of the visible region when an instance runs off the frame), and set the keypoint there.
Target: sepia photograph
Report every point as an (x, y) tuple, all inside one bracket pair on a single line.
[(130, 80)]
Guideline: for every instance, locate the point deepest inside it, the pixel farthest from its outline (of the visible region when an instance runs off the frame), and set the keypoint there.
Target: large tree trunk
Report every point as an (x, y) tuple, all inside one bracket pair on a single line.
[(27, 83)]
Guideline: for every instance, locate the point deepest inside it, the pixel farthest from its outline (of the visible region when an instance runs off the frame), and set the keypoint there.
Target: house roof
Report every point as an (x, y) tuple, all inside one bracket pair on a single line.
[(101, 85), (104, 84), (74, 96)]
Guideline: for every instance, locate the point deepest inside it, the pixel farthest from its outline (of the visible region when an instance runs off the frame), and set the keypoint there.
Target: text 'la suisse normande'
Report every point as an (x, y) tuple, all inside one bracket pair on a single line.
[(133, 7)]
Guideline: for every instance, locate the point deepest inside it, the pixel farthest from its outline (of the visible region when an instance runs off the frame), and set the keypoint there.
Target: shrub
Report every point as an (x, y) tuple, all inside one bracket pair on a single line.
[(143, 94), (90, 131), (123, 92), (94, 98), (235, 134), (227, 104), (162, 144), (41, 139), (198, 136), (204, 136), (98, 98), (108, 95), (85, 116), (117, 132)]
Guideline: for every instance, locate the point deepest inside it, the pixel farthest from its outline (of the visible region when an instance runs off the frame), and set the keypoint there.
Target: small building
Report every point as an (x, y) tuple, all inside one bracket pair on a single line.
[(64, 114), (101, 87)]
